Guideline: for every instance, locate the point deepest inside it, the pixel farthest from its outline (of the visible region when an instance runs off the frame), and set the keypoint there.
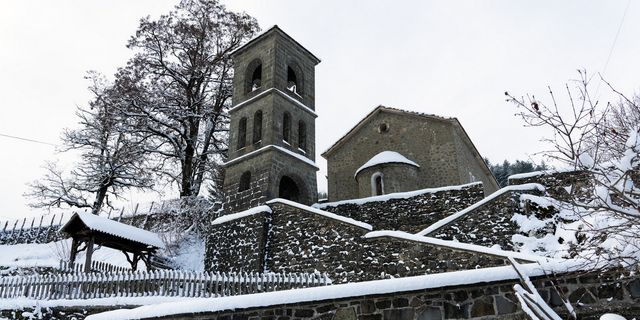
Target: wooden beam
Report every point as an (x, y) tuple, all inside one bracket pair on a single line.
[(87, 261)]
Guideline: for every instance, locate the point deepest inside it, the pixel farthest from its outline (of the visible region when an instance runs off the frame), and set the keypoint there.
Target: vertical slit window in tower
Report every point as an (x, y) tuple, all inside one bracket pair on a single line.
[(245, 181), (302, 136), (242, 133), (256, 78), (257, 126), (286, 127), (292, 80)]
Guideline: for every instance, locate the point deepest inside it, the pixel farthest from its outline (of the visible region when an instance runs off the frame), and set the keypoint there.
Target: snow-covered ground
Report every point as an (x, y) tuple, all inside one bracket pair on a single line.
[(49, 255), (189, 255)]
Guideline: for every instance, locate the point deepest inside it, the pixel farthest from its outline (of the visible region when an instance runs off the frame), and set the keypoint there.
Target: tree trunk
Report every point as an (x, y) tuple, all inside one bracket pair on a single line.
[(100, 195)]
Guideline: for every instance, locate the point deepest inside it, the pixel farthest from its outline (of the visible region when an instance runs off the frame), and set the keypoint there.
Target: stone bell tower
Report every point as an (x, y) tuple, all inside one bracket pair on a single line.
[(272, 131)]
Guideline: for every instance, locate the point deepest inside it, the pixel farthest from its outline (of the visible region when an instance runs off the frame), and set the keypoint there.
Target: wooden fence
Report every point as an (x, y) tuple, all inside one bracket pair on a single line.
[(96, 266), (170, 283)]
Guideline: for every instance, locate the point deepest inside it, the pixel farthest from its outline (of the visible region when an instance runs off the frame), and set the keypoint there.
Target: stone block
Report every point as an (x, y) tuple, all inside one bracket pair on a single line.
[(456, 310), (345, 314), (399, 314), (482, 307), (506, 304), (634, 288), (430, 314)]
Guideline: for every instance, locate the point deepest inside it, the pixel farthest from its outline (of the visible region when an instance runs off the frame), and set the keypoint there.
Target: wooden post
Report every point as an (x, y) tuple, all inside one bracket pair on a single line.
[(74, 251), (87, 261)]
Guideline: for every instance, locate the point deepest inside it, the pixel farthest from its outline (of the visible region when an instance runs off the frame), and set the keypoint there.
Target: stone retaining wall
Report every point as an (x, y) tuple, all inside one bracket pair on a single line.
[(489, 224), (591, 296), (298, 240), (410, 214)]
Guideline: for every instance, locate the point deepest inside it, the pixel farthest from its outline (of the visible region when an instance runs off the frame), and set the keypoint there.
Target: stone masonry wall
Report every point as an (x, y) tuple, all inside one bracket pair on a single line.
[(489, 224), (559, 184), (410, 214), (591, 295), (302, 241), (238, 246)]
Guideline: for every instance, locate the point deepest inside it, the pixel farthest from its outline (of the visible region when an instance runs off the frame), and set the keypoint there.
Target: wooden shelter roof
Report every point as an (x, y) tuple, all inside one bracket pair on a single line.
[(112, 233)]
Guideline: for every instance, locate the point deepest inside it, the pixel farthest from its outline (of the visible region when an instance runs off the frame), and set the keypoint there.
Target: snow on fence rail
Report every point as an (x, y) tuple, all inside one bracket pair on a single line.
[(99, 266), (172, 283)]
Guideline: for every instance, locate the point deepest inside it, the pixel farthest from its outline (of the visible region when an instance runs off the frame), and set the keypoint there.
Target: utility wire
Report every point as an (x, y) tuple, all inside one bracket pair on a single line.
[(26, 139), (613, 45), (615, 39)]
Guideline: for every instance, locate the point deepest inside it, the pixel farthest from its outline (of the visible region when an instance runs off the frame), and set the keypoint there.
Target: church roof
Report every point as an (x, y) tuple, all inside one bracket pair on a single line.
[(266, 33), (386, 157)]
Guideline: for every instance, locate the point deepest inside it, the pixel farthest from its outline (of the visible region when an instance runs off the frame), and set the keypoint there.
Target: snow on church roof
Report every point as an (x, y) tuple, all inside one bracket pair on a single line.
[(386, 157), (118, 229)]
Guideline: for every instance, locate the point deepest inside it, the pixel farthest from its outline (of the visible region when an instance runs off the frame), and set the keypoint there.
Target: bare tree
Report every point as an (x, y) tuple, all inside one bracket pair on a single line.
[(111, 159), (178, 88), (583, 139)]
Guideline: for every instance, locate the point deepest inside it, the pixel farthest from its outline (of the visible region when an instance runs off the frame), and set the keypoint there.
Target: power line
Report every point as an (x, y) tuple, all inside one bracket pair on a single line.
[(613, 45), (26, 139), (615, 39)]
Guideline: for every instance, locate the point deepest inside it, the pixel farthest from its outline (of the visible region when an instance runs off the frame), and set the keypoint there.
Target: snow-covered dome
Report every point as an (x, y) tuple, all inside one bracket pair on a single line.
[(386, 157)]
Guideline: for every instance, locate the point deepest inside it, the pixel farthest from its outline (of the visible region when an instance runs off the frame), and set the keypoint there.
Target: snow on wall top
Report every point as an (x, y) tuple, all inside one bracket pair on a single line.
[(323, 213), (451, 218), (117, 229), (456, 245), (386, 157), (397, 195), (264, 93), (281, 149), (537, 173), (241, 214), (340, 291)]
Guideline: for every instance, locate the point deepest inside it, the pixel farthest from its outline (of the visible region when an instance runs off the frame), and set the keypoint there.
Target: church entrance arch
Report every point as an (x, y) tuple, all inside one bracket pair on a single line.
[(289, 189)]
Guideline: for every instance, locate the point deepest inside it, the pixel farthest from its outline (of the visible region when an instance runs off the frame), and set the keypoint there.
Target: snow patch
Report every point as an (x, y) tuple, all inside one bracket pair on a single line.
[(241, 214), (323, 213), (386, 157), (455, 245)]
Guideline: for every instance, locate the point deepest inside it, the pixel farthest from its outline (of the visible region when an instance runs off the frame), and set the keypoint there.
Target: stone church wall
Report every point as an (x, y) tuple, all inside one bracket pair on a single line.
[(591, 295), (411, 214)]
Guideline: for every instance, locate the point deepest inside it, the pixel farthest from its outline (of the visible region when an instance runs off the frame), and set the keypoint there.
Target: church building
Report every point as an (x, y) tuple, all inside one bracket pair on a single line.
[(272, 138)]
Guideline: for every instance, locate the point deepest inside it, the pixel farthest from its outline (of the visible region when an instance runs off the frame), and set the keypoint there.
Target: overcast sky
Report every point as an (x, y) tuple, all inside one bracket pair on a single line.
[(450, 58)]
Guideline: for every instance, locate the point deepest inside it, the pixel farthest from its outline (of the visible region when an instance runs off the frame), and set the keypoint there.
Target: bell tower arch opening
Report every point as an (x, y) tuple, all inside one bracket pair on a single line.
[(289, 189)]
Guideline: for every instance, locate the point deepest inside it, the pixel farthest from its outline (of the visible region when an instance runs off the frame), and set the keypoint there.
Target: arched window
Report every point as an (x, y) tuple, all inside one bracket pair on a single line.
[(377, 184), (286, 127), (292, 80), (242, 133), (257, 126), (302, 136), (245, 181), (253, 76)]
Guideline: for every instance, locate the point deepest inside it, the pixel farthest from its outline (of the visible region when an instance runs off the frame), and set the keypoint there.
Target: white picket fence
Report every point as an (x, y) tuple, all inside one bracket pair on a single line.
[(169, 283)]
